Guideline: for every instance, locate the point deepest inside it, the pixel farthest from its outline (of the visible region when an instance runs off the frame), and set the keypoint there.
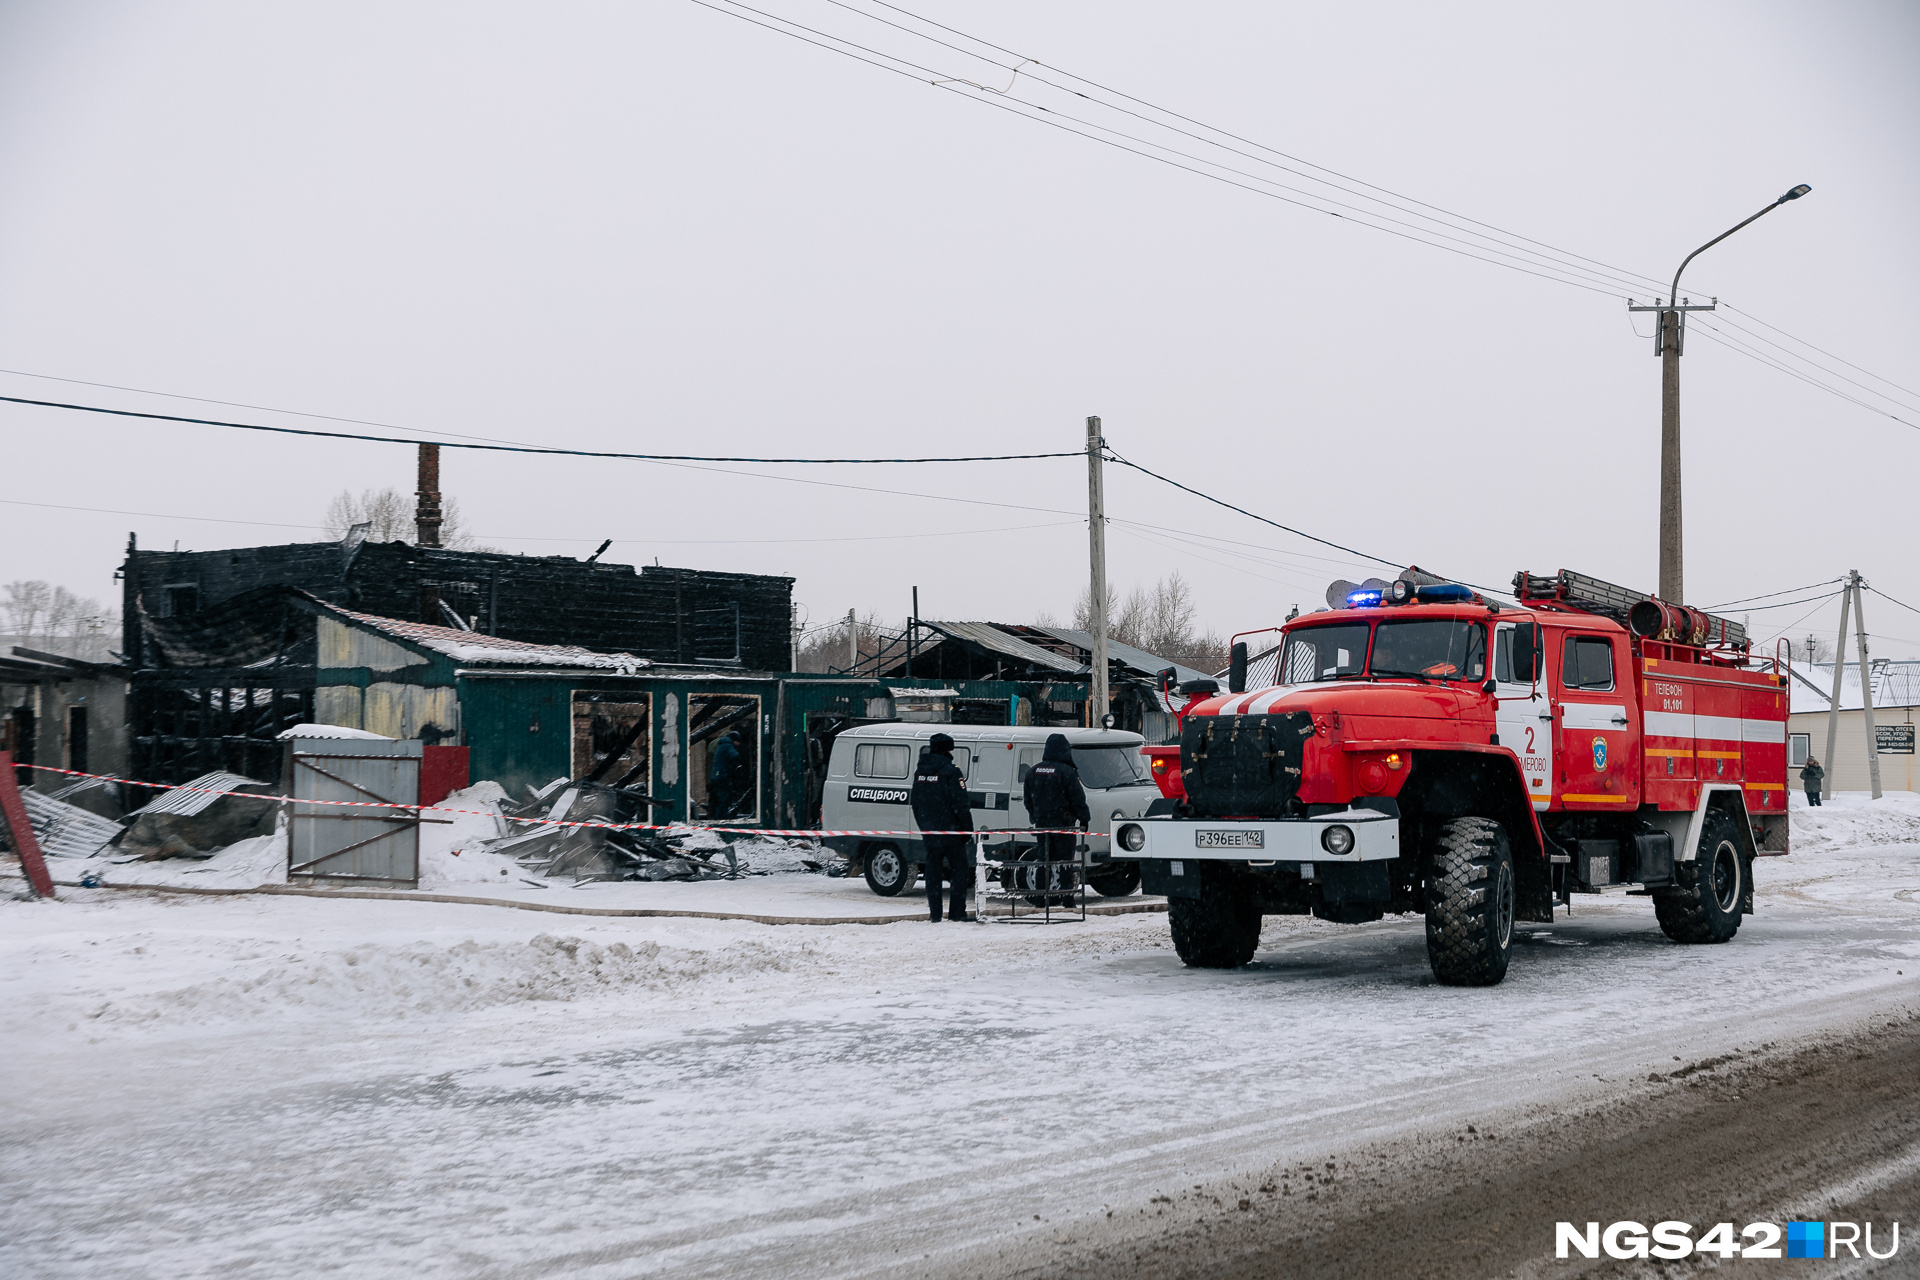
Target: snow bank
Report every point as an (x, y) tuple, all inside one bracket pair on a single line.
[(451, 856), (242, 982), (247, 864), (1854, 819)]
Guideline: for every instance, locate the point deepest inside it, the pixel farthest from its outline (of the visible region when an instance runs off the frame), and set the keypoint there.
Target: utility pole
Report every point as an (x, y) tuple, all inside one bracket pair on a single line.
[(1669, 334), (426, 525), (913, 631), (1097, 565), (1866, 686), (853, 643), (1839, 669)]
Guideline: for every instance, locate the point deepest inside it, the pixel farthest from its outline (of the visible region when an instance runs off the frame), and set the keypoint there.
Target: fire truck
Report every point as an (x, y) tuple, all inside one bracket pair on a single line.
[(1419, 747)]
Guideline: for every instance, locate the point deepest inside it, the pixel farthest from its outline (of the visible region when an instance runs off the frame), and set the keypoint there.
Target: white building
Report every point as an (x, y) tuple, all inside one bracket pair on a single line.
[(1896, 692)]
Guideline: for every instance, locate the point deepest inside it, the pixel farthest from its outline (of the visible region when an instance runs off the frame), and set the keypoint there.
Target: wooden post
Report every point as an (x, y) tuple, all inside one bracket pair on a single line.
[(1833, 707), (21, 830), (1866, 686)]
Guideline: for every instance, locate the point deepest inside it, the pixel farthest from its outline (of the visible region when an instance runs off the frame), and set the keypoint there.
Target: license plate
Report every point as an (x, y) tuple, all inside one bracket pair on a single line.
[(1229, 839)]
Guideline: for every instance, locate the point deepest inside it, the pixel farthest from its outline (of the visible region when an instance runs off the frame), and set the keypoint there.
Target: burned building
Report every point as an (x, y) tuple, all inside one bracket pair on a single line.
[(690, 617), (222, 659)]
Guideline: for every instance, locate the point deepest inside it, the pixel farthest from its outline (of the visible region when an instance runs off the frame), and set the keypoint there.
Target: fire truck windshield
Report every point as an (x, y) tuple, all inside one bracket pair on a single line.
[(1324, 653), (1431, 649)]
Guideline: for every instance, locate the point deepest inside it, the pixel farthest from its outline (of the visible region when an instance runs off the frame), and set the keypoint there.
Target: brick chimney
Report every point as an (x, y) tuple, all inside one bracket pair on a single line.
[(426, 514)]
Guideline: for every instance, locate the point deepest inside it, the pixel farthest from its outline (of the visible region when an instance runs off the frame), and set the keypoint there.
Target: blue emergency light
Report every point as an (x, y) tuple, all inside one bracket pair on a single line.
[(1362, 599), (1444, 593)]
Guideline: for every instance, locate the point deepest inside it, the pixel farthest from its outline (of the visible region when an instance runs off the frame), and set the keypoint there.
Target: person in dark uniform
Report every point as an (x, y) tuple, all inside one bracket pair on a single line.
[(1811, 777), (940, 804), (726, 776), (1055, 798)]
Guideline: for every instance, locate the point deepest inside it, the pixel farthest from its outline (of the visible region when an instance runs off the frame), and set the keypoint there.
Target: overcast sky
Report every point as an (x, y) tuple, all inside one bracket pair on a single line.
[(654, 227)]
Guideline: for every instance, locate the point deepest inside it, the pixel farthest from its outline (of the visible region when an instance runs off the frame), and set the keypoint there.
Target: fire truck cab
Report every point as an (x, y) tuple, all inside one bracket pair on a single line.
[(1421, 748)]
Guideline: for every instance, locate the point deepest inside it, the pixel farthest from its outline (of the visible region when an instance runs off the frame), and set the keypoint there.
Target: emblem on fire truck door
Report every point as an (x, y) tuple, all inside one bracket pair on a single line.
[(1599, 755)]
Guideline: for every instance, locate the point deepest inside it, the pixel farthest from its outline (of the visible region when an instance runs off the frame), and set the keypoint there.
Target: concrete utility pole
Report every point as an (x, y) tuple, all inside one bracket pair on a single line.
[(1866, 687), (1669, 333), (1833, 707), (853, 642), (1097, 565)]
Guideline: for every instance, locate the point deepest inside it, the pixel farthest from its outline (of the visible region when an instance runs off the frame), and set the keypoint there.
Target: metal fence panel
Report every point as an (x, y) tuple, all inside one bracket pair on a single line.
[(332, 843)]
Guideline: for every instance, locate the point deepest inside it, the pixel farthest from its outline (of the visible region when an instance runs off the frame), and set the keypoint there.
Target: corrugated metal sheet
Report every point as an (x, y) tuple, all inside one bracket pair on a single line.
[(65, 830), (990, 637), (1137, 660), (478, 649), (195, 796)]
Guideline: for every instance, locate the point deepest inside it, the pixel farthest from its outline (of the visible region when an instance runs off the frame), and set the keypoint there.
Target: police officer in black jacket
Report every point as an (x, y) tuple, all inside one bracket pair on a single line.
[(940, 804), (1055, 798)]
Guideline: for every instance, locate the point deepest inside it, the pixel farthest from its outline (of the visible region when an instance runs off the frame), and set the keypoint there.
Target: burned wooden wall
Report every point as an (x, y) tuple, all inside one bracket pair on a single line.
[(668, 615)]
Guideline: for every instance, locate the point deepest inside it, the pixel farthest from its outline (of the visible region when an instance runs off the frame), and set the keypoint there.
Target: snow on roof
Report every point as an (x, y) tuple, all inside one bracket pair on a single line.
[(479, 649), (1895, 684), (328, 731)]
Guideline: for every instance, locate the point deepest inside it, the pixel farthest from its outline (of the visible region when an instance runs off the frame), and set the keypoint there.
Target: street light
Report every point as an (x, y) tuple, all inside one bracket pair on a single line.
[(1667, 335)]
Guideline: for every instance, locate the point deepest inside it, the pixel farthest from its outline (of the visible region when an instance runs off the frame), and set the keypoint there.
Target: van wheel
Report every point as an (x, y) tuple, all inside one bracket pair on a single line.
[(888, 873), (1117, 883), (1059, 876), (1470, 903), (1709, 909), (1218, 930)]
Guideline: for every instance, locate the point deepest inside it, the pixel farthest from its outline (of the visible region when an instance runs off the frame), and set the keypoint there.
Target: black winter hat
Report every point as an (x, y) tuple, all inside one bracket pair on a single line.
[(941, 745)]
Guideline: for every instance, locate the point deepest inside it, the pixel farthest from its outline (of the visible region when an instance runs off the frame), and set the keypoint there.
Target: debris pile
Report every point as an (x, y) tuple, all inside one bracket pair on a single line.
[(599, 853), (198, 819), (65, 830)]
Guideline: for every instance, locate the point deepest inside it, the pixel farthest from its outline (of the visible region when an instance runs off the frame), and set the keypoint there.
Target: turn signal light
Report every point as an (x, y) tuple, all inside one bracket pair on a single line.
[(1393, 760)]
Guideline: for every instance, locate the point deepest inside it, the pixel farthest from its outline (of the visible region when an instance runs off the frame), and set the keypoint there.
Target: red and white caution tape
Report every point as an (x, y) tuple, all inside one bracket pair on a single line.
[(810, 833)]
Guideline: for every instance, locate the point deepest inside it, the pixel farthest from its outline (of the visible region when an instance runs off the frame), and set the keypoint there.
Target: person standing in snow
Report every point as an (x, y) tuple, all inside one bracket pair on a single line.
[(940, 804), (1810, 777), (1055, 798)]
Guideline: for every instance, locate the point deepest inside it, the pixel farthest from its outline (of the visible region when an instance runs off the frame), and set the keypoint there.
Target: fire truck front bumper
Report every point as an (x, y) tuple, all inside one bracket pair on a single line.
[(1349, 836)]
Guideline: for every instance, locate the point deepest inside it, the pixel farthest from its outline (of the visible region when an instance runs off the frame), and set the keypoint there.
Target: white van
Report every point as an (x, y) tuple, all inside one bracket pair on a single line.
[(870, 783)]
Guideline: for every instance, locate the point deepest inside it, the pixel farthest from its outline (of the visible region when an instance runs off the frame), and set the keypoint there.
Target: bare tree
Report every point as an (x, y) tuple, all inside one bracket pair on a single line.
[(1159, 619), (55, 617), (390, 513)]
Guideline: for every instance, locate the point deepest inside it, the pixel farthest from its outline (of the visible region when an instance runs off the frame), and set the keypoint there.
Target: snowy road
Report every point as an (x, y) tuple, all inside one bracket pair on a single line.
[(272, 1086)]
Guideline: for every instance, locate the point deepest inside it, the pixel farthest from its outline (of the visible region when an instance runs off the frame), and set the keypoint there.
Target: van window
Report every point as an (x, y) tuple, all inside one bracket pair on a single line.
[(1589, 663), (1104, 767), (1029, 757), (881, 760)]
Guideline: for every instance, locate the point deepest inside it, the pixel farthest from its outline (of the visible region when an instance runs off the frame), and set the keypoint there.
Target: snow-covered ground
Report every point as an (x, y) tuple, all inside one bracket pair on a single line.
[(272, 1086)]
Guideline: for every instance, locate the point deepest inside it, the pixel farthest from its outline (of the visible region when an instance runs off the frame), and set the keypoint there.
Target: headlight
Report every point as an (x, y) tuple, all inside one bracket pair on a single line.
[(1132, 837), (1337, 840)]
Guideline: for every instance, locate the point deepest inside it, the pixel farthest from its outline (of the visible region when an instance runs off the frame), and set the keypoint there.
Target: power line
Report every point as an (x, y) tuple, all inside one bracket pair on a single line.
[(947, 83), (1714, 335), (1560, 264), (1890, 600), (1793, 355), (1788, 604), (525, 448), (1771, 594), (1634, 276), (1221, 502), (1828, 354)]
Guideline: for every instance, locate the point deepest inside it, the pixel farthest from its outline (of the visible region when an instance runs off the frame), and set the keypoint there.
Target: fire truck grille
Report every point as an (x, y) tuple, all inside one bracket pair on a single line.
[(1243, 766)]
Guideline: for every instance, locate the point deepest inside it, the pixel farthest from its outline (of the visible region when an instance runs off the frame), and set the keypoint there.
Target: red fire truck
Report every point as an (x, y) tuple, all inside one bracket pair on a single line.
[(1418, 747)]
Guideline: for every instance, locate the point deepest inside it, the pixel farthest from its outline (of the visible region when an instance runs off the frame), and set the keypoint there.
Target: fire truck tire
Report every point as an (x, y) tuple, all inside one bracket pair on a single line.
[(1218, 930), (1708, 910), (889, 874), (1470, 903), (1118, 883)]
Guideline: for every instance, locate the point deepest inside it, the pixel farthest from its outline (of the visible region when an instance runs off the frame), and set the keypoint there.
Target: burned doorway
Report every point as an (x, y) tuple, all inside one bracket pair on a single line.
[(723, 757), (613, 738)]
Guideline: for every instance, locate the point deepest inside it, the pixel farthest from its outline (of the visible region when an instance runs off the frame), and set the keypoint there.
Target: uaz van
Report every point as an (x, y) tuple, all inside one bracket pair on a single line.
[(870, 782)]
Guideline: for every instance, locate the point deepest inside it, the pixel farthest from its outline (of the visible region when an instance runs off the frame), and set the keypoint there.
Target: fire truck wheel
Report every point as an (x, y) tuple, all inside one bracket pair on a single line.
[(1708, 910), (888, 874), (1470, 903), (1218, 930), (1117, 883)]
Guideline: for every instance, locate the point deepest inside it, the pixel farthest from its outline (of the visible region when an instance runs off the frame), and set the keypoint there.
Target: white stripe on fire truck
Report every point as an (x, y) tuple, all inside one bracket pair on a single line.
[(1675, 724)]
